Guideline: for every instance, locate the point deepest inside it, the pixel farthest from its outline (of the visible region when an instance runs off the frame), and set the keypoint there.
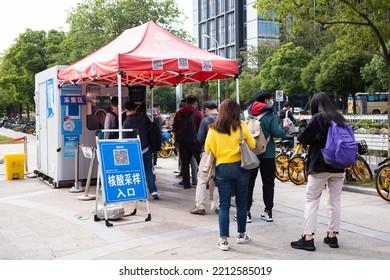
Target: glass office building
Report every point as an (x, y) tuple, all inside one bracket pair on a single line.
[(226, 26)]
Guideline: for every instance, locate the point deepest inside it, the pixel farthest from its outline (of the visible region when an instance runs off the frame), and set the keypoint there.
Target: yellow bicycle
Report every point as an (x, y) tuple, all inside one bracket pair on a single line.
[(382, 180), (290, 165), (281, 161), (361, 169), (296, 168)]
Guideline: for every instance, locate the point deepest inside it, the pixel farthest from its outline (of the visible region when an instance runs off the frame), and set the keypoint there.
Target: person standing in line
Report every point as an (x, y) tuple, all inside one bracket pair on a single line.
[(223, 140), (194, 164), (320, 174), (211, 111), (111, 121), (136, 120), (155, 116), (270, 125), (185, 126)]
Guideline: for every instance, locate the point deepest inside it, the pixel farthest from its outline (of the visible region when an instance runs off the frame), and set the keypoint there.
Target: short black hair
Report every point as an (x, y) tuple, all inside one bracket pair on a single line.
[(191, 99), (262, 95), (286, 103), (130, 106), (209, 104), (114, 101)]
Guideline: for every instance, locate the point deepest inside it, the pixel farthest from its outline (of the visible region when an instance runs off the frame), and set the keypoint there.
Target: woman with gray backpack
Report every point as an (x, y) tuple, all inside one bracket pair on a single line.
[(320, 173)]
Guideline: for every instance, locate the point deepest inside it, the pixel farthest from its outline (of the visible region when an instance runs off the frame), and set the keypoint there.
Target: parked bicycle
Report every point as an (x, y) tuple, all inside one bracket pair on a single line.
[(168, 143), (361, 170), (296, 168), (281, 160), (290, 165), (382, 179)]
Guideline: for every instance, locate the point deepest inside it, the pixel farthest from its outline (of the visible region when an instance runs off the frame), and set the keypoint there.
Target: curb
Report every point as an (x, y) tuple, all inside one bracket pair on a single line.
[(355, 189)]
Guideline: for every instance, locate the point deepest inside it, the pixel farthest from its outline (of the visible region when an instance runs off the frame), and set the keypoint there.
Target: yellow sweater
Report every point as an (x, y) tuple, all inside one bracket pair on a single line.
[(226, 147)]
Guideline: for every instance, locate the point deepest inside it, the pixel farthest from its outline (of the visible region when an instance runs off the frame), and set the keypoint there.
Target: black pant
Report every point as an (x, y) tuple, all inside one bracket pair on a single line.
[(267, 171), (155, 157), (186, 151)]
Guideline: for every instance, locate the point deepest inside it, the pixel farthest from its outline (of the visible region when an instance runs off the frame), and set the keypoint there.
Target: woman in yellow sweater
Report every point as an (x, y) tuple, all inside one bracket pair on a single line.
[(223, 140)]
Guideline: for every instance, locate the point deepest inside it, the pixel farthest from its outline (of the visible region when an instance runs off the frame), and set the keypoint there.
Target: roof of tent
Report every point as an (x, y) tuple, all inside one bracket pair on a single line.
[(149, 55)]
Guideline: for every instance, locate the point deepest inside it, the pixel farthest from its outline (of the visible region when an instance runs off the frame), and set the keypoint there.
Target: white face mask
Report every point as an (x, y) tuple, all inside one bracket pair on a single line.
[(271, 102)]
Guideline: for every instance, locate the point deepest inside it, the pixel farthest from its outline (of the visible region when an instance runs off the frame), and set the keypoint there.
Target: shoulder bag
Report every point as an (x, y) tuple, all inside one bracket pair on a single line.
[(249, 159)]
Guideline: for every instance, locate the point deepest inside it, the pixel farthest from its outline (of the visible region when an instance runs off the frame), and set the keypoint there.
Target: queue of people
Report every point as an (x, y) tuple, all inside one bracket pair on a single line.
[(214, 141)]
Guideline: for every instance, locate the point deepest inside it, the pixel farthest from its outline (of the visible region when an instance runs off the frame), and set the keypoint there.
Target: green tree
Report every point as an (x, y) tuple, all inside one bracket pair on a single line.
[(251, 61), (374, 73), (340, 73), (94, 23), (282, 70), (21, 62), (166, 97), (362, 25)]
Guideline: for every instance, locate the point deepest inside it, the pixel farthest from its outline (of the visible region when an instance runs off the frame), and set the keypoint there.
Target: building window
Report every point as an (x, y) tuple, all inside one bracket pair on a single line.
[(221, 30), (220, 6), (231, 28), (268, 29), (203, 9), (212, 8), (230, 5)]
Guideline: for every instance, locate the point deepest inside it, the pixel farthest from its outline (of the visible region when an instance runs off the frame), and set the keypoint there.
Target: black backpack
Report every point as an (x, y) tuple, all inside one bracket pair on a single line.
[(154, 135), (185, 128)]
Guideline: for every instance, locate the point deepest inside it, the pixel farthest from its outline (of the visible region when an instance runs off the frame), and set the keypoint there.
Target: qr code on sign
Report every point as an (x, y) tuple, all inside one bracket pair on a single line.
[(121, 157)]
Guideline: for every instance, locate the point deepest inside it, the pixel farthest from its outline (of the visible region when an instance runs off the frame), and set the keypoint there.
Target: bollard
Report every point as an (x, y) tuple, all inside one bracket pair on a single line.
[(77, 184), (86, 195)]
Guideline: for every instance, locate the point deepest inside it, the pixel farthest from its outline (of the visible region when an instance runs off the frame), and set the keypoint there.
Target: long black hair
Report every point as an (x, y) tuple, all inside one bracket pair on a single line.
[(321, 103)]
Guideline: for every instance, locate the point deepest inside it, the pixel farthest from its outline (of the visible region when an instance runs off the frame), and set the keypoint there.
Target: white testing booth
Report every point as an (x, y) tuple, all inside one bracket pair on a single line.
[(69, 115)]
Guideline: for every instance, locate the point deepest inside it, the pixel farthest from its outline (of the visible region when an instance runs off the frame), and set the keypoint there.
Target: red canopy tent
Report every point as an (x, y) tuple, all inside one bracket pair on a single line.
[(151, 56)]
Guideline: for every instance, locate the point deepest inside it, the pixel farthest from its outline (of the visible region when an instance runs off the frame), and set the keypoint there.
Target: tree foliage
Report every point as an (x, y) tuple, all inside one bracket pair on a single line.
[(32, 52), (282, 70), (95, 23), (251, 61), (374, 73), (357, 25)]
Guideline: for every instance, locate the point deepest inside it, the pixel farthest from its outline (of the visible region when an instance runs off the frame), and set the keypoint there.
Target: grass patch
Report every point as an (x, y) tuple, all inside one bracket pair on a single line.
[(364, 184), (3, 138)]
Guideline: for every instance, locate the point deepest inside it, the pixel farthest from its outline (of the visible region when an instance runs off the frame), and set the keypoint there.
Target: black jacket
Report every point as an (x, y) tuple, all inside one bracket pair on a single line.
[(137, 121), (315, 135)]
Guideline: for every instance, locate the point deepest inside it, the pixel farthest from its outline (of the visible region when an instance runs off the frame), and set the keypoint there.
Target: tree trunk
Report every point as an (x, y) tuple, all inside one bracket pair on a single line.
[(205, 91)]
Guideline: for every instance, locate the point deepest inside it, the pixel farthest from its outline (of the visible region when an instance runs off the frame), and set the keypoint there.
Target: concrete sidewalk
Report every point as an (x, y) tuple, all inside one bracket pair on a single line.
[(42, 223)]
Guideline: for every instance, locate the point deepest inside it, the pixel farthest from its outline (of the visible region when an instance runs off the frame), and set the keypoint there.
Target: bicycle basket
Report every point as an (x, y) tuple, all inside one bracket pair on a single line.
[(362, 147)]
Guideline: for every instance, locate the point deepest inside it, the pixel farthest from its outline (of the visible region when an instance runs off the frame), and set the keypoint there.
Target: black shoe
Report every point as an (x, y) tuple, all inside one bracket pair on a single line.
[(303, 244), (331, 241), (187, 187)]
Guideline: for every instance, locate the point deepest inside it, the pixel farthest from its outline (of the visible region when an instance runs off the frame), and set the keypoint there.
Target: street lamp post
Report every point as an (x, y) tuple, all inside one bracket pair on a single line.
[(219, 84)]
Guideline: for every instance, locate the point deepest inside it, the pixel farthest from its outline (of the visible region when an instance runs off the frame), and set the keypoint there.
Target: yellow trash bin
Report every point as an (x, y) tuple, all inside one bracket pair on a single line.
[(14, 166)]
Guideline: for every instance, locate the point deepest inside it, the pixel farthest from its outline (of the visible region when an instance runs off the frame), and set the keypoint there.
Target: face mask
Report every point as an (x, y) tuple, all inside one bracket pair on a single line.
[(271, 102)]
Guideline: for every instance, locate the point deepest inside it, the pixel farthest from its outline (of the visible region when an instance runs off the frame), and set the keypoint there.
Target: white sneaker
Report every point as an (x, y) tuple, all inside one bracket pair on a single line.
[(243, 239), (248, 218), (155, 195), (266, 216), (224, 246)]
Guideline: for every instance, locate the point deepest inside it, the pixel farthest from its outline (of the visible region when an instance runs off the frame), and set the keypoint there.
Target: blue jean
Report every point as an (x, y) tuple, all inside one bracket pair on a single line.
[(231, 177), (149, 176)]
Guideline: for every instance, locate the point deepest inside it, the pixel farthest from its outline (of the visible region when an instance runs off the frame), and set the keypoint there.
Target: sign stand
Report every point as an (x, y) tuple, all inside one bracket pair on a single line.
[(89, 152), (121, 176)]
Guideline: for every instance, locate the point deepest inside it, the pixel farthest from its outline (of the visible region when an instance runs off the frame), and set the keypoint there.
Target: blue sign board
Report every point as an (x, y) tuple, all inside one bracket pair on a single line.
[(73, 100), (122, 170)]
